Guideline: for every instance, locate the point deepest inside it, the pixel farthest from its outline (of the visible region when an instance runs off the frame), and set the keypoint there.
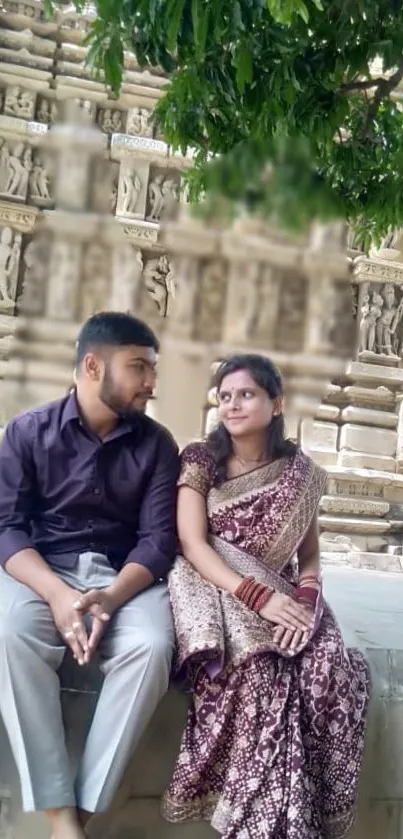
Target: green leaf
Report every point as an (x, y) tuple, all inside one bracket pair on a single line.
[(244, 67), (200, 21), (174, 15)]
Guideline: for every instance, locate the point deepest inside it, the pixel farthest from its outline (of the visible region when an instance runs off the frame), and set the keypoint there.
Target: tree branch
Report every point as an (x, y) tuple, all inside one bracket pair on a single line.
[(383, 85), (351, 87)]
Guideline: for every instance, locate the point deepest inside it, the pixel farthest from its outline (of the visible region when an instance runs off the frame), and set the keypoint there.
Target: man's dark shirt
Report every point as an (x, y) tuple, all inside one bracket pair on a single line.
[(64, 491)]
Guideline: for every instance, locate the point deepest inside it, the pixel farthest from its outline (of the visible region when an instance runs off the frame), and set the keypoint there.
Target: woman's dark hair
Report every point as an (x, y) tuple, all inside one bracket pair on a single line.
[(266, 376)]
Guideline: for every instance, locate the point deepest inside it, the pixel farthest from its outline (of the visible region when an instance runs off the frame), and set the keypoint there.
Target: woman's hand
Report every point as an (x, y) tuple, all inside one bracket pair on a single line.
[(289, 639), (283, 611)]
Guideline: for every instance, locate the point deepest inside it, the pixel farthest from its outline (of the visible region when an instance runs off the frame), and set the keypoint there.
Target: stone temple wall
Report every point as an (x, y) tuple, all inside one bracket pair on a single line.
[(90, 219)]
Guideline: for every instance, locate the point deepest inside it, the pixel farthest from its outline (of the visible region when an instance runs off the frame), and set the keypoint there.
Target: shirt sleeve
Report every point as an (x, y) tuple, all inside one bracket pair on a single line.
[(17, 488), (157, 539), (197, 468)]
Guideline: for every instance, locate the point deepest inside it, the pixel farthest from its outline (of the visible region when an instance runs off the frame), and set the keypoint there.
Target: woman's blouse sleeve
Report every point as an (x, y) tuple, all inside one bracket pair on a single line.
[(197, 468)]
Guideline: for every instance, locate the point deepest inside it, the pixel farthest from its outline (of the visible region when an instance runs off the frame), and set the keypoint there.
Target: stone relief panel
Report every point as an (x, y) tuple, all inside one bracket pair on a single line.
[(10, 249), (15, 169), (26, 9), (34, 275), (132, 191), (211, 300), (159, 282), (139, 122), (104, 186), (290, 330), (380, 321), (162, 195), (19, 102), (127, 268), (265, 317), (111, 120), (41, 179), (95, 280), (342, 327), (47, 111), (64, 279)]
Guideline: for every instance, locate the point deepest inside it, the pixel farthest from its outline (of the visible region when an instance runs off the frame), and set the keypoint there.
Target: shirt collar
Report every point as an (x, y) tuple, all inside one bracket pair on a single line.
[(71, 412)]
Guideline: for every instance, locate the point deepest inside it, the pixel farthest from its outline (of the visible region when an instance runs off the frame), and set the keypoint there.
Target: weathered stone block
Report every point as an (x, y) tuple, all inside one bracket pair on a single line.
[(368, 416), (356, 460), (377, 441), (351, 505), (319, 435)]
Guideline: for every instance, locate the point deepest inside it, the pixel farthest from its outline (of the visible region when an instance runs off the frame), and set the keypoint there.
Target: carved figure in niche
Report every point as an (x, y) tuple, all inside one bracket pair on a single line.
[(11, 105), (4, 159), (35, 261), (9, 258), (131, 187), (169, 198), (105, 121), (388, 321), (138, 122), (26, 104), (116, 120), (39, 181), (94, 289), (156, 197), (159, 282), (19, 167), (127, 269), (43, 114), (104, 186), (134, 121), (370, 313)]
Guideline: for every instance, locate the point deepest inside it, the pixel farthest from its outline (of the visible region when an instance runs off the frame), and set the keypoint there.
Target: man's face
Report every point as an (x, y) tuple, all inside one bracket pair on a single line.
[(128, 380)]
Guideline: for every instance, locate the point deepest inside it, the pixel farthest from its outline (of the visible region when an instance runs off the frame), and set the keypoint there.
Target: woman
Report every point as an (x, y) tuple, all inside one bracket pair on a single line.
[(275, 733)]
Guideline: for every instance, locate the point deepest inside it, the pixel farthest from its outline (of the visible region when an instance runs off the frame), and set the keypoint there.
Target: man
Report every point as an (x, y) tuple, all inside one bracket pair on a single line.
[(87, 534)]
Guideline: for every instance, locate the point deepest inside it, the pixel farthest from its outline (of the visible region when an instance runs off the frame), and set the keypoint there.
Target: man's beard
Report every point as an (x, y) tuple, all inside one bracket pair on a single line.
[(110, 397)]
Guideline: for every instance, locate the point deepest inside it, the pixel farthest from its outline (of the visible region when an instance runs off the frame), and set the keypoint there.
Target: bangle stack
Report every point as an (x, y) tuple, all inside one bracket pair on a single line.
[(253, 594), (307, 591)]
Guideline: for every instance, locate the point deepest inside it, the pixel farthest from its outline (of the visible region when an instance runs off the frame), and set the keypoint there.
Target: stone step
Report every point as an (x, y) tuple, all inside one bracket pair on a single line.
[(354, 505), (369, 416), (363, 396), (374, 374), (350, 524), (378, 442)]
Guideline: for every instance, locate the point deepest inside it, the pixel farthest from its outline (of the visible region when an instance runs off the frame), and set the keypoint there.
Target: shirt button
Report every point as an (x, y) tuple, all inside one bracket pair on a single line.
[(96, 490)]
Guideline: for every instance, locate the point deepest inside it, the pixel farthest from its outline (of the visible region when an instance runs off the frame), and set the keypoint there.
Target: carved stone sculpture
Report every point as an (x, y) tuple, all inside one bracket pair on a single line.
[(10, 246), (34, 281), (156, 198), (127, 267), (159, 282), (169, 199), (19, 164), (131, 187), (4, 160), (47, 111), (19, 103), (105, 186), (371, 311), (138, 122), (39, 182), (110, 120), (388, 321)]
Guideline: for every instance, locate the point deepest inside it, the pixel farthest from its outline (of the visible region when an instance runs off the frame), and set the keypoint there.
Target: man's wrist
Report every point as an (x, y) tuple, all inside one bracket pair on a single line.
[(54, 589)]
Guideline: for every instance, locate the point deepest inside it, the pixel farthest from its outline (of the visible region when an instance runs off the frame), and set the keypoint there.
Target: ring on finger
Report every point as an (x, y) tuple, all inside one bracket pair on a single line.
[(76, 625)]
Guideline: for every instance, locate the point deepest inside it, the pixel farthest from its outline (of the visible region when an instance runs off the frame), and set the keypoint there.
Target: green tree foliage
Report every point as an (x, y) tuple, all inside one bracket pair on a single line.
[(278, 99)]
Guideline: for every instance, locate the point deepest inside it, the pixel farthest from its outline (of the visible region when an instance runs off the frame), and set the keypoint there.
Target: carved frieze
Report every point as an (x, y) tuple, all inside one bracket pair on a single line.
[(34, 276), (290, 330), (132, 192), (139, 122)]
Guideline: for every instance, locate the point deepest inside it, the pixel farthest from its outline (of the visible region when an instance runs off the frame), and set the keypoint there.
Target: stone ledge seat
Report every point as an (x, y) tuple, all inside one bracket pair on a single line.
[(368, 605)]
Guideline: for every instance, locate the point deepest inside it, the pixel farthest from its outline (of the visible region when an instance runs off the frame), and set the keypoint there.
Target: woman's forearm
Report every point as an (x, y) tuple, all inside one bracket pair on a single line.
[(211, 566), (309, 566)]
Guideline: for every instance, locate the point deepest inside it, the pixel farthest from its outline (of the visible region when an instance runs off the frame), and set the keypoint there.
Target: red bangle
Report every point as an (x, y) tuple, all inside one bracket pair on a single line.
[(308, 580), (253, 594), (307, 595)]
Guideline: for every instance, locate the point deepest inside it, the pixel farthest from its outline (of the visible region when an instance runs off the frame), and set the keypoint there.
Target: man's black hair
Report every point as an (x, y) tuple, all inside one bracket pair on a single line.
[(114, 329)]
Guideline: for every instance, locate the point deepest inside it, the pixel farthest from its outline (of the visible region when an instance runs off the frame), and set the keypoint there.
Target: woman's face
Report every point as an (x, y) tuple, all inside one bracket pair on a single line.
[(244, 407)]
